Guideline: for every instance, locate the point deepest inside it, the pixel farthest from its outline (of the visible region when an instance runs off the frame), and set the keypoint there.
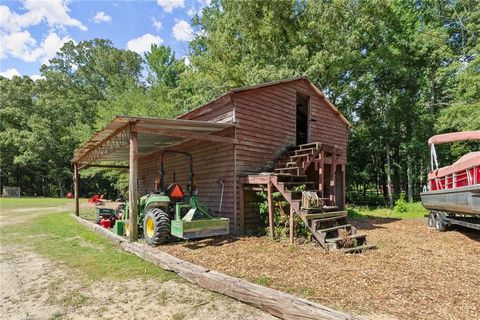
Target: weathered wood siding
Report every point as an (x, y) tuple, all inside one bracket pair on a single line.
[(220, 110), (211, 161), (267, 124)]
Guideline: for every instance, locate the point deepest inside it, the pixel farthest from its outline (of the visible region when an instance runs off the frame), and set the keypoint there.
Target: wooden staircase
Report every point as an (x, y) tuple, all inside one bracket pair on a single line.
[(327, 222)]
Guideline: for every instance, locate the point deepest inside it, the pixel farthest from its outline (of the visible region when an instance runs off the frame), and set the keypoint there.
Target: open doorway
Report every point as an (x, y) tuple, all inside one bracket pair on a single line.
[(303, 114)]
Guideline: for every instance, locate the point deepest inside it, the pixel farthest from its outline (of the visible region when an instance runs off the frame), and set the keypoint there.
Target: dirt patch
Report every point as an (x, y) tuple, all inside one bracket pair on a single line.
[(36, 288), (416, 273)]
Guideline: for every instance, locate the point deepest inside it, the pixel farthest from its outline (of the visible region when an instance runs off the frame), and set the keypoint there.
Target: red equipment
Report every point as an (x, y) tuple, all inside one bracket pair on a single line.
[(96, 200), (105, 223)]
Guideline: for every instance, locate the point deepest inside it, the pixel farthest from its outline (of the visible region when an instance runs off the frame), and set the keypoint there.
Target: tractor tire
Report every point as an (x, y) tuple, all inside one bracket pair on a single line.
[(156, 226)]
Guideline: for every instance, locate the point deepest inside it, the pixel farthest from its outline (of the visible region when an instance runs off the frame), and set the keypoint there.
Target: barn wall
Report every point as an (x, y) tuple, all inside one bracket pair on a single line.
[(220, 110), (267, 124), (211, 161)]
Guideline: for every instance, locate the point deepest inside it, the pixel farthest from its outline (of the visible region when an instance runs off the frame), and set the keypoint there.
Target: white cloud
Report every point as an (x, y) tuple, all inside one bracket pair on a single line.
[(156, 24), (183, 31), (17, 44), (36, 77), (102, 17), (54, 12), (49, 47), (10, 73), (169, 5), (192, 11), (143, 43), (23, 46)]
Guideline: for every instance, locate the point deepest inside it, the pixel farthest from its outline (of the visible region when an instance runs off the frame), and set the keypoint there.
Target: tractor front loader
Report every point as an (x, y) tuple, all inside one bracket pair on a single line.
[(170, 211)]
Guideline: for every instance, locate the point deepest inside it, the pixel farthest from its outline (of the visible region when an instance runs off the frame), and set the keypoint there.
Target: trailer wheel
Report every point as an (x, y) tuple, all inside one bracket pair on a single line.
[(431, 220), (440, 223), (156, 226)]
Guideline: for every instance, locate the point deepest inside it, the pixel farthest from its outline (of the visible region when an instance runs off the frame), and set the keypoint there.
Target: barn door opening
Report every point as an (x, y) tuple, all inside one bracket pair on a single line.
[(303, 114)]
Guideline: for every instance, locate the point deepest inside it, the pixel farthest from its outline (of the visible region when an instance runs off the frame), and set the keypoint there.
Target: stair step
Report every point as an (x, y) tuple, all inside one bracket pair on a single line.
[(303, 155), (289, 176), (359, 248), (343, 226), (312, 216), (322, 209), (343, 216), (296, 183), (352, 236), (287, 169), (329, 208)]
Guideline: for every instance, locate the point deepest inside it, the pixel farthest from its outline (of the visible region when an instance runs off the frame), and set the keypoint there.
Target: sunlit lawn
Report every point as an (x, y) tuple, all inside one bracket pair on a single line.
[(37, 202), (61, 238), (414, 210)]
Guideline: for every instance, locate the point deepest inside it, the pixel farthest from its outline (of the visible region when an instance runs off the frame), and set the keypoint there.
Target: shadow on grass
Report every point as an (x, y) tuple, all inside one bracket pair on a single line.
[(369, 222)]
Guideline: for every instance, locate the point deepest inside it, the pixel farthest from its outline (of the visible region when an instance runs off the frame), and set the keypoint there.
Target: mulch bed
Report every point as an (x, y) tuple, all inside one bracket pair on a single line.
[(416, 273)]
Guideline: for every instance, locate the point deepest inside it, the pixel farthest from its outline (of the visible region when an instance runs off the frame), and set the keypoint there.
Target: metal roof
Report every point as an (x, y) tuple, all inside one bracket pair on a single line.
[(153, 134)]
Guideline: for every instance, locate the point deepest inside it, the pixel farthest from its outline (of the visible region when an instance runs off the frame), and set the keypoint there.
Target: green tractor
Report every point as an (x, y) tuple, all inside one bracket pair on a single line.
[(170, 211)]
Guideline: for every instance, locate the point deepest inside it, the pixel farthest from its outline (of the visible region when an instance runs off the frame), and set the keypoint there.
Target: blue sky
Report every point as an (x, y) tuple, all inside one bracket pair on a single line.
[(31, 31)]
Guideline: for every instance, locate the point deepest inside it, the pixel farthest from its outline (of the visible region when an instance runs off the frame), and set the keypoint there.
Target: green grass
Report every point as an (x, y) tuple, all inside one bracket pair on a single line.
[(59, 237), (413, 211), (19, 203)]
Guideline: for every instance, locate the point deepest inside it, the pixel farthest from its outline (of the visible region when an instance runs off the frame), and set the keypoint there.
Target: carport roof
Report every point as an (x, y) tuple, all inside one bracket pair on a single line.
[(153, 134)]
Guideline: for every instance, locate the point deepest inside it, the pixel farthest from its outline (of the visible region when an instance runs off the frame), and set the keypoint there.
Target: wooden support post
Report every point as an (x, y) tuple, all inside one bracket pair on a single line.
[(270, 210), (242, 207), (333, 198), (76, 188), (344, 188), (321, 171), (132, 188), (292, 227)]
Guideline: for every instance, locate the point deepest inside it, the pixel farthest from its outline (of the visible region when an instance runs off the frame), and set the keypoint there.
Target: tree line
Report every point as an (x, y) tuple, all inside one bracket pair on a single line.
[(399, 70)]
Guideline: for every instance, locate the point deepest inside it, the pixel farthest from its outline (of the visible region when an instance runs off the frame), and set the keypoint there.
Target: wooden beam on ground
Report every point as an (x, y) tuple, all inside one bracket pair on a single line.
[(279, 304), (76, 188), (132, 188), (184, 134), (270, 210)]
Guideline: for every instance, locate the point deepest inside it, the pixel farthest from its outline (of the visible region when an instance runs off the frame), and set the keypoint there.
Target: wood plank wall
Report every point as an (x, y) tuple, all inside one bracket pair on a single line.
[(267, 124), (211, 161), (220, 110)]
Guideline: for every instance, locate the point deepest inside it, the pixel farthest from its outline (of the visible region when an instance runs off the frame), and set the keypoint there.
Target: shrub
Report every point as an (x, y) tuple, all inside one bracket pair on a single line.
[(281, 211), (401, 205)]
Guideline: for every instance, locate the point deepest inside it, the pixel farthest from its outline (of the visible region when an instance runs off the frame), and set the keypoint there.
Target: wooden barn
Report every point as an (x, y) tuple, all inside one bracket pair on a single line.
[(279, 135)]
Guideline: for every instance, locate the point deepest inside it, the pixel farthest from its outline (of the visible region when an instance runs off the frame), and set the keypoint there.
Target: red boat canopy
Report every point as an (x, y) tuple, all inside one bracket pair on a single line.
[(454, 136), (469, 160)]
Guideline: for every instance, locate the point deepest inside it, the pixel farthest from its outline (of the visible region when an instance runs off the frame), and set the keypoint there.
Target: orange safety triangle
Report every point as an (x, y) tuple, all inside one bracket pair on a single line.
[(176, 192)]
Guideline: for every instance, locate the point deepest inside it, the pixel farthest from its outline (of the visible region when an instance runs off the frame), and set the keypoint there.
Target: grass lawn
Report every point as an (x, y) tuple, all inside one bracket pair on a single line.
[(37, 202), (59, 237), (413, 211)]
